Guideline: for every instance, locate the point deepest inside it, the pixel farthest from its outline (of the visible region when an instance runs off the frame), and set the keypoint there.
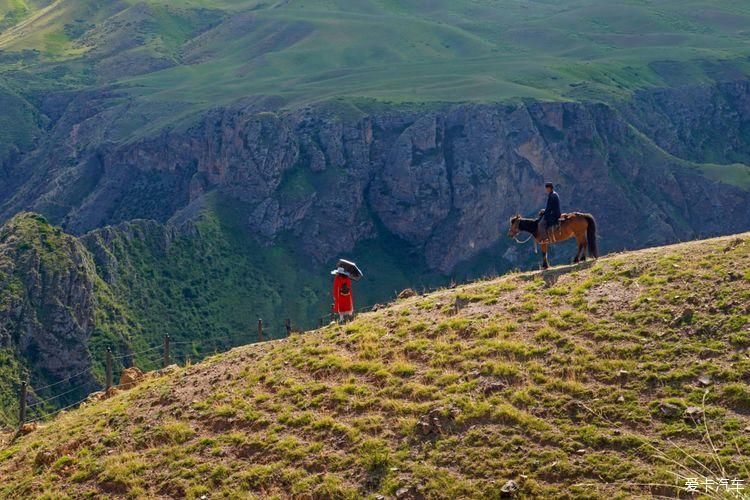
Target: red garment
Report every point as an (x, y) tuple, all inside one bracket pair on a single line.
[(343, 298)]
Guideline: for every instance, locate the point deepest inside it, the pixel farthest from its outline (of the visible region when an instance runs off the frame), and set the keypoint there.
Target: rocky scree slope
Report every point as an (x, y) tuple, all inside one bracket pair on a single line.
[(602, 379)]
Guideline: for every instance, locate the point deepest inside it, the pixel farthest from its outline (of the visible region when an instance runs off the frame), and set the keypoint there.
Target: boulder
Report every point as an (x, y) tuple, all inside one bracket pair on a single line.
[(27, 429), (44, 458), (684, 318), (491, 387), (693, 414), (130, 378), (94, 397), (437, 421), (410, 493), (112, 391), (166, 370)]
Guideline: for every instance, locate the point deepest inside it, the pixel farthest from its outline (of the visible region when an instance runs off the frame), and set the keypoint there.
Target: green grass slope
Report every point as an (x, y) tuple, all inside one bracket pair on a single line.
[(621, 377), (176, 58), (13, 12), (19, 126)]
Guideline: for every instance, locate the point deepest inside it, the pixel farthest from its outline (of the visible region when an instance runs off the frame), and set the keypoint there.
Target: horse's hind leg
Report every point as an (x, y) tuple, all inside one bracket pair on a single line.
[(584, 243), (581, 250)]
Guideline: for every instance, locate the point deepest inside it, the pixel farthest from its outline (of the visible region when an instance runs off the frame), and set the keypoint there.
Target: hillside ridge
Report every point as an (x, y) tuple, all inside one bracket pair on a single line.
[(600, 379)]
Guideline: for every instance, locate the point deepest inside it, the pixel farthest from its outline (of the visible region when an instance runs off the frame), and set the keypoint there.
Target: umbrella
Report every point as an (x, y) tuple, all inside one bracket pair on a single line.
[(348, 268)]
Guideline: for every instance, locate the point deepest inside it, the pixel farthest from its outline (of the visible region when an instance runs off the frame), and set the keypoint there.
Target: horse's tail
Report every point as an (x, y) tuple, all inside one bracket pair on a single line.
[(591, 235)]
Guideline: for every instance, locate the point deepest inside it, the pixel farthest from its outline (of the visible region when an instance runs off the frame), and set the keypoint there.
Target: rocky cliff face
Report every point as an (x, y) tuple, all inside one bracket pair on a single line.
[(443, 180), (47, 302), (702, 124)]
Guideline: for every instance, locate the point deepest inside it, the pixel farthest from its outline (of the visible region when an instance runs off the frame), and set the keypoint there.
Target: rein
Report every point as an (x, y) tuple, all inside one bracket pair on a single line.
[(529, 226), (526, 241)]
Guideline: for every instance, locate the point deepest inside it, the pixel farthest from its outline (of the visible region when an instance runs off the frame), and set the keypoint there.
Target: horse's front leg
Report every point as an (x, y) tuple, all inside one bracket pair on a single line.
[(545, 263)]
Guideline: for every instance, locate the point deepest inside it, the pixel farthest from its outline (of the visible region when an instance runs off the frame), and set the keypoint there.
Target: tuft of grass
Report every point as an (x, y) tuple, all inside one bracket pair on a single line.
[(175, 431)]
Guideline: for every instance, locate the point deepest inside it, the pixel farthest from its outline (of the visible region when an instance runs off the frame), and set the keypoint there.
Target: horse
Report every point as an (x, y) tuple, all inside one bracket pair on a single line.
[(579, 225)]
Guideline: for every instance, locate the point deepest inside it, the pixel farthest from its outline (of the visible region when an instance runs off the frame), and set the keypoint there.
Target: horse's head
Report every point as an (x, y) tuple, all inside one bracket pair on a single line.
[(514, 226)]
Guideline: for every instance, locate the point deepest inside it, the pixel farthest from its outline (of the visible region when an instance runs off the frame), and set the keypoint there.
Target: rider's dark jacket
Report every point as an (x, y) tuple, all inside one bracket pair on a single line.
[(552, 212)]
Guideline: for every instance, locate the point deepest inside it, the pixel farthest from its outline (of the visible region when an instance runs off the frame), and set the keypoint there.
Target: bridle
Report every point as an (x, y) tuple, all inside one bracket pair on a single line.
[(515, 238)]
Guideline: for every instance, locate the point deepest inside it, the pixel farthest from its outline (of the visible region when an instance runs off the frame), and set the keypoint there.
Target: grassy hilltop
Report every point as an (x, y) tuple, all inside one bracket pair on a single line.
[(619, 377)]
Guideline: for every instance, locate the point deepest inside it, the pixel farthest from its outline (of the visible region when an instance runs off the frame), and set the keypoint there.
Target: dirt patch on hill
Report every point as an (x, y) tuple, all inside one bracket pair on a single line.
[(614, 294)]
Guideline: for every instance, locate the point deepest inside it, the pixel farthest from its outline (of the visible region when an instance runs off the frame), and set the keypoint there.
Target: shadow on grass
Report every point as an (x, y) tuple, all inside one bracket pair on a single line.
[(550, 276)]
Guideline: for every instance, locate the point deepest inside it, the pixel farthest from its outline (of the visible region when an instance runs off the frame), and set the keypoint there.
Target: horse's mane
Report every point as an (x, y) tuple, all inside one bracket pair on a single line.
[(528, 225)]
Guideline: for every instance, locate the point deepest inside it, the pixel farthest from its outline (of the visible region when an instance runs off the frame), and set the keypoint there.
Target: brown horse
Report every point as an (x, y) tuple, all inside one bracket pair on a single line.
[(578, 225)]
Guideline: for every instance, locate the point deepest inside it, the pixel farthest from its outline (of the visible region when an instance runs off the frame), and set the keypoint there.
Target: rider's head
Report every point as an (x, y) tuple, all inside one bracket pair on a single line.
[(549, 187)]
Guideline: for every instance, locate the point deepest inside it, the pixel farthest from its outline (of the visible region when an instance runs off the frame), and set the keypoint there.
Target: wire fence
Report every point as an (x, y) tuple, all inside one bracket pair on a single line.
[(32, 408), (42, 403)]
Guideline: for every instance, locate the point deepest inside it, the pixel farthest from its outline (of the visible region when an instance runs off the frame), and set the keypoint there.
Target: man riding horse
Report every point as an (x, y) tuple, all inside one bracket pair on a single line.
[(551, 214), (553, 227)]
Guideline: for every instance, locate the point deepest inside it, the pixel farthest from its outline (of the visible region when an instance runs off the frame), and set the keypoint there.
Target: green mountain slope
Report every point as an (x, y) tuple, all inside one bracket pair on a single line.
[(205, 284), (605, 379), (176, 58), (214, 279), (54, 311)]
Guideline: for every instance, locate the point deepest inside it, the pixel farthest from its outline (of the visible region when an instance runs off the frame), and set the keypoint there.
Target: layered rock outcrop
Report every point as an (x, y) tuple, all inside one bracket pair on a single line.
[(443, 180)]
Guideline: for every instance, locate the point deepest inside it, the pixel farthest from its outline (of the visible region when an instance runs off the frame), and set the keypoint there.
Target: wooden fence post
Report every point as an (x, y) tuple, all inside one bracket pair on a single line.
[(109, 368), (22, 404), (260, 330), (288, 325), (165, 361)]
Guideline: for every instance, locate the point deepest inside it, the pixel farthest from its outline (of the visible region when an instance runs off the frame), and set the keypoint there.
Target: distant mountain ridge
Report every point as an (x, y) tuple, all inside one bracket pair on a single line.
[(180, 57)]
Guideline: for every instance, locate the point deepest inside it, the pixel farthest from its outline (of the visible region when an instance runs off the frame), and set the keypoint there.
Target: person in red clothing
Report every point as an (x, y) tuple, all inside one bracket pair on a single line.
[(343, 299), (343, 296)]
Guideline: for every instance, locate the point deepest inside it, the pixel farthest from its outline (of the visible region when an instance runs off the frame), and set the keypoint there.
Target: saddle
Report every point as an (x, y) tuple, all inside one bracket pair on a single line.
[(553, 230)]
